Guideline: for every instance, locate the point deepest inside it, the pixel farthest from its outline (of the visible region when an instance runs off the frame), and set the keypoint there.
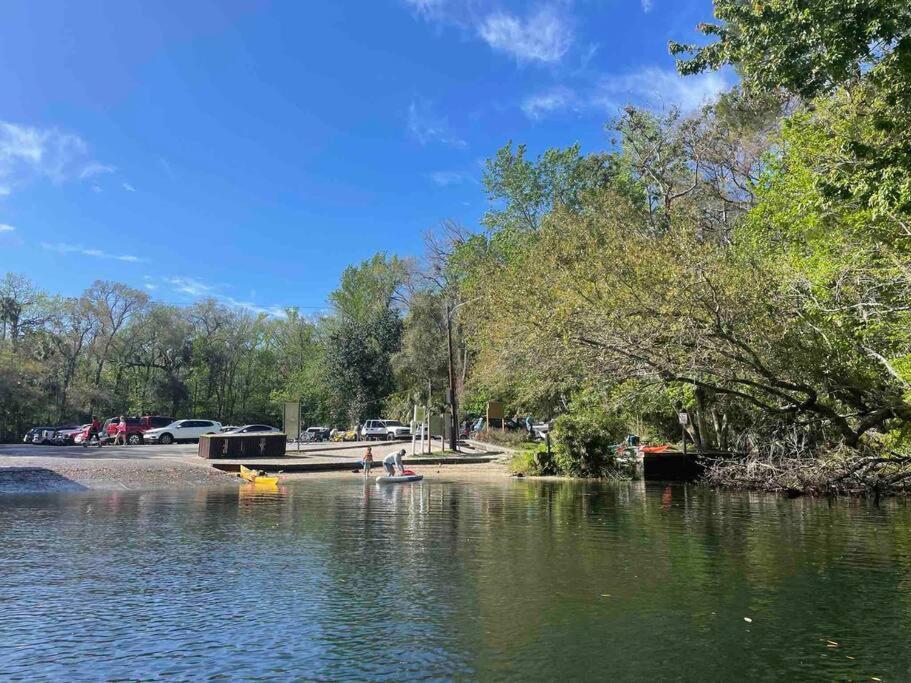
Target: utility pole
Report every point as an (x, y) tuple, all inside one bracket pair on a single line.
[(454, 419)]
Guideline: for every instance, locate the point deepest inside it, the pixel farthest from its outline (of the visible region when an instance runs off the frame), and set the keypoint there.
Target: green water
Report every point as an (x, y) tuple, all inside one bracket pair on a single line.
[(512, 580)]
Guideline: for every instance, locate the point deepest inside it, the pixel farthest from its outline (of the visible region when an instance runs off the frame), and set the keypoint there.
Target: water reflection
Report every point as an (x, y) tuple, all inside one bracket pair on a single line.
[(336, 580)]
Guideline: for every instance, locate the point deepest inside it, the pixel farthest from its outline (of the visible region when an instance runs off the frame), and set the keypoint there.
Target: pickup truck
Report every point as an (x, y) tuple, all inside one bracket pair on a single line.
[(383, 430)]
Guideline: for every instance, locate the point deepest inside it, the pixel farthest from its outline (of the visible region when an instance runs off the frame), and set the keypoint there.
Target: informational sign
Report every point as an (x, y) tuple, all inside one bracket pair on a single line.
[(291, 420), (494, 414), (683, 418)]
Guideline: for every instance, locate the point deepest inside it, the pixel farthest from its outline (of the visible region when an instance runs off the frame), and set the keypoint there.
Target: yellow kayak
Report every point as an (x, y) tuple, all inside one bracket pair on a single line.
[(256, 476)]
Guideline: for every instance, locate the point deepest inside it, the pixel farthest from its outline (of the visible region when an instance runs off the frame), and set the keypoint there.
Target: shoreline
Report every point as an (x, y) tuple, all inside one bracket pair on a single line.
[(64, 469)]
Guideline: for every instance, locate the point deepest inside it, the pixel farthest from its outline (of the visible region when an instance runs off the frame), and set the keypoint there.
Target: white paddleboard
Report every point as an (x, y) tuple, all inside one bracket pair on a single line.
[(386, 479)]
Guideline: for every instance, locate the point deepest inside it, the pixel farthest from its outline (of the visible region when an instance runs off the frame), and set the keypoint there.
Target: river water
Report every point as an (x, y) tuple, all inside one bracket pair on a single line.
[(507, 580)]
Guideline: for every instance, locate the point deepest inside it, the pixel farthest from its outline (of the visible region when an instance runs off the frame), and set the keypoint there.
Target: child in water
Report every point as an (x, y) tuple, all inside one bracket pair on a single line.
[(367, 461)]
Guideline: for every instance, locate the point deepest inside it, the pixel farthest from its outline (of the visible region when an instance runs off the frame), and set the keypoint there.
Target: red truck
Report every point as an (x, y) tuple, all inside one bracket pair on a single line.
[(135, 426)]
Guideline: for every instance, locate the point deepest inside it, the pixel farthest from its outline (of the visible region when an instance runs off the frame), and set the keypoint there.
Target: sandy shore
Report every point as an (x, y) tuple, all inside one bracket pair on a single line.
[(452, 472)]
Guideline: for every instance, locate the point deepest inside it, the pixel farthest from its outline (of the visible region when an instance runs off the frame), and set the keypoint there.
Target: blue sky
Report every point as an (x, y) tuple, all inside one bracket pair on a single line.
[(250, 150)]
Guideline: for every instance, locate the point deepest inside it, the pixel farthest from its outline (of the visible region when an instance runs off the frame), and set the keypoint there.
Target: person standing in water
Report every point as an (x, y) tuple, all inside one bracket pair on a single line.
[(393, 461), (367, 461)]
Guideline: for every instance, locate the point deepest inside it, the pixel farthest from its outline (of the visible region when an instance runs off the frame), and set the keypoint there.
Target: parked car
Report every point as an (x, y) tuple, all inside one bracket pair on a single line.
[(31, 433), (381, 430), (227, 428), (135, 429), (315, 434), (182, 430), (154, 421), (250, 429), (65, 436), (46, 434)]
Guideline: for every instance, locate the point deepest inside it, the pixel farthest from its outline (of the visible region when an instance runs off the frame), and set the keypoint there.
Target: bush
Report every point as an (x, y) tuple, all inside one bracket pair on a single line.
[(583, 438), (533, 461)]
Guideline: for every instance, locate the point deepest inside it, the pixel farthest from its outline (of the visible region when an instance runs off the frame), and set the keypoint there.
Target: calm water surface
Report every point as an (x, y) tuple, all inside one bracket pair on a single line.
[(512, 580)]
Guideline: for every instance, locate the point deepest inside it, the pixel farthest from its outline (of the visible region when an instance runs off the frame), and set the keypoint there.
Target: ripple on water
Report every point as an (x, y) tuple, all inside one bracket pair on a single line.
[(332, 580)]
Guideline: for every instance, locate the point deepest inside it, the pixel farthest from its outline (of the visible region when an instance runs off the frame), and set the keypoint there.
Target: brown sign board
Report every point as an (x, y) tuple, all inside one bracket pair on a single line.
[(494, 410)]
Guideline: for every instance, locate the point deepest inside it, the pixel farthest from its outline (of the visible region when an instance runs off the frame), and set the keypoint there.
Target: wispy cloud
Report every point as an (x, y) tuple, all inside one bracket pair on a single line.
[(128, 187), (427, 8), (166, 167), (541, 104), (651, 87), (647, 5), (64, 248), (541, 37), (425, 126), (191, 286), (659, 88), (28, 152), (200, 290), (94, 168), (6, 227), (446, 178)]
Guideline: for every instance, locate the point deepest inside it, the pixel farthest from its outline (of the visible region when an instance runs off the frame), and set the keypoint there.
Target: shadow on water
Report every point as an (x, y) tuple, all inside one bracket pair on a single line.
[(35, 479)]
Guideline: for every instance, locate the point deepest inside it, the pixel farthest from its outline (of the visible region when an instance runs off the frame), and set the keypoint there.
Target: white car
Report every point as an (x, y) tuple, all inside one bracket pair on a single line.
[(383, 430), (250, 429), (181, 430)]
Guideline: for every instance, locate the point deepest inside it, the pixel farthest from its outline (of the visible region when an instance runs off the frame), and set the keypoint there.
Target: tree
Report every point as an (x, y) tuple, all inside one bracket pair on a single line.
[(359, 363), (807, 48)]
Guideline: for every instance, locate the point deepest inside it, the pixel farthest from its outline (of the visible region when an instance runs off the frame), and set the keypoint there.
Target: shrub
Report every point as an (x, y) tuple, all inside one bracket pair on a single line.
[(583, 438)]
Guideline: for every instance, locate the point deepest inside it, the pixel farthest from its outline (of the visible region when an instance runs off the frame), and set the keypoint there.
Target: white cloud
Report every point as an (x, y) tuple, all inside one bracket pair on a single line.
[(198, 289), (6, 227), (28, 152), (426, 8), (63, 248), (446, 178), (650, 87), (659, 88), (191, 286), (647, 5), (540, 105), (542, 37), (426, 127), (150, 286), (94, 168), (128, 187)]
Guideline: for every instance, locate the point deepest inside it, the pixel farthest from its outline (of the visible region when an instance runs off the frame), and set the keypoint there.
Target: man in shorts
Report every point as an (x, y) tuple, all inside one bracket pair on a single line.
[(393, 461)]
